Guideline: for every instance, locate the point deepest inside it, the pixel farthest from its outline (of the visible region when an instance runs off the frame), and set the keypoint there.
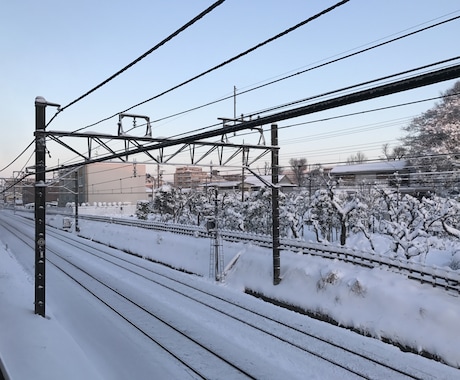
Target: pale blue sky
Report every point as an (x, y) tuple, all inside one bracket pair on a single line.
[(59, 50)]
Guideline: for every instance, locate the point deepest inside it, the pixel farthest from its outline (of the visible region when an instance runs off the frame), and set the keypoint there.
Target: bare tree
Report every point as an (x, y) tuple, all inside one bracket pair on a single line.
[(397, 153), (357, 158), (267, 169), (299, 168)]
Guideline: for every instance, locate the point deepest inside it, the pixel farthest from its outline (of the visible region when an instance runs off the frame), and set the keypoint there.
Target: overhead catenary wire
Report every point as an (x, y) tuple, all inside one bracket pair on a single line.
[(366, 84), (309, 69), (348, 148), (228, 61), (300, 72), (137, 60), (385, 42), (325, 119), (347, 115), (19, 156), (413, 82), (328, 94)]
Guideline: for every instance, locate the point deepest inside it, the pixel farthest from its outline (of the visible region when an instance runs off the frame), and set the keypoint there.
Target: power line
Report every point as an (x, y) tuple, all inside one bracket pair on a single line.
[(137, 60), (328, 94), (318, 120), (347, 89), (17, 158), (398, 86), (310, 69), (360, 112), (289, 76), (238, 56)]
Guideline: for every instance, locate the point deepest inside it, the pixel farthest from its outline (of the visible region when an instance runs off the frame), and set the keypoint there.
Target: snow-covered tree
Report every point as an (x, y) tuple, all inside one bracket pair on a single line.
[(169, 203), (322, 215), (232, 212), (442, 216), (365, 218), (434, 137), (405, 224), (293, 209), (257, 211), (338, 208), (143, 209)]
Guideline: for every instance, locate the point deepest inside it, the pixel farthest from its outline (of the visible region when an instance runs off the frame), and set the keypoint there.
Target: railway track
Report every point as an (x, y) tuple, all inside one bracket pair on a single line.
[(435, 276), (179, 338)]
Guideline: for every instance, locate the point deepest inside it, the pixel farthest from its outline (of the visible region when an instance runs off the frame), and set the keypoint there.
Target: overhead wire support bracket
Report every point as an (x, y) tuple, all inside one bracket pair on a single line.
[(148, 130), (139, 144)]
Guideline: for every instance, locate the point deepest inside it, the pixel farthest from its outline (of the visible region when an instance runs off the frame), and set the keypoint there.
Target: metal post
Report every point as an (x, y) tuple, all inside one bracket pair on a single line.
[(216, 237), (40, 203), (77, 188), (275, 206)]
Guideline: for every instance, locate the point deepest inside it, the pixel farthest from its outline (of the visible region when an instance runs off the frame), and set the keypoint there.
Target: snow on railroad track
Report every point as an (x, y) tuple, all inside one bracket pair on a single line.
[(435, 276), (244, 318), (239, 350), (228, 331)]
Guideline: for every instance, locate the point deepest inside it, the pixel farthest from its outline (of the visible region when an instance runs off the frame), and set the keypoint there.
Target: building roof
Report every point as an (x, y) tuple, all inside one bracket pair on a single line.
[(253, 181), (371, 167)]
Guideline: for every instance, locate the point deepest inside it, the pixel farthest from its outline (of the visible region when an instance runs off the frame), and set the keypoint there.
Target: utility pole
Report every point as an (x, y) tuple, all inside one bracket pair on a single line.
[(158, 174), (216, 238), (275, 206), (40, 203), (77, 200), (14, 197), (245, 154)]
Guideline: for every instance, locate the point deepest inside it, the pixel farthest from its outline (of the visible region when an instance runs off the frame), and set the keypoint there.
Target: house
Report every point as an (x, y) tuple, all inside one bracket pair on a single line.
[(383, 173), (256, 183), (251, 183)]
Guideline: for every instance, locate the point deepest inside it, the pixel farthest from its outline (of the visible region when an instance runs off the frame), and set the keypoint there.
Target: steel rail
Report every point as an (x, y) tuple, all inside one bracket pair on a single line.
[(435, 276)]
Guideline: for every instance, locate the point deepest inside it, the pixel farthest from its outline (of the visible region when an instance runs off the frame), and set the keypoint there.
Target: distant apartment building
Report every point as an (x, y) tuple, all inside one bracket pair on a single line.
[(105, 182), (189, 177)]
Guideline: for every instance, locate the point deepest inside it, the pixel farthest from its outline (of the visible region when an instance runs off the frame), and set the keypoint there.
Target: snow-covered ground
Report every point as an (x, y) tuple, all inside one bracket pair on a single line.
[(373, 301)]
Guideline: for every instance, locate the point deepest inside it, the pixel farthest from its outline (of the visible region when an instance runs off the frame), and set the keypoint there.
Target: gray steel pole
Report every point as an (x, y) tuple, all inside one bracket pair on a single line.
[(275, 207), (40, 203), (216, 236), (77, 199)]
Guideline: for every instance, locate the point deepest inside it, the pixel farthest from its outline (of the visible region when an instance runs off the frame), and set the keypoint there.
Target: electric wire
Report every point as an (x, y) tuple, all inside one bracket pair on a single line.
[(334, 117), (137, 60), (326, 94), (344, 132), (366, 84), (254, 88), (335, 92), (234, 58), (308, 69), (286, 77), (17, 158), (320, 120)]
